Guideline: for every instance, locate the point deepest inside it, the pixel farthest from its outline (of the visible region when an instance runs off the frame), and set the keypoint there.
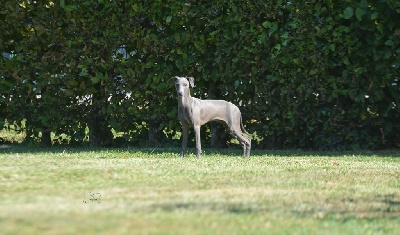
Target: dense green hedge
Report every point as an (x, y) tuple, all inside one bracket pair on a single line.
[(313, 74)]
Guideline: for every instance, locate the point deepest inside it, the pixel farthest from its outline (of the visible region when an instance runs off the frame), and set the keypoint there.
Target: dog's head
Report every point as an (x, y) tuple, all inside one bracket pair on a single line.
[(182, 84)]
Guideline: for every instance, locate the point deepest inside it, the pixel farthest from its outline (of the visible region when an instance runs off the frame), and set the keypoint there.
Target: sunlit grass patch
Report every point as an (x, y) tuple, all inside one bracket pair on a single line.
[(52, 191)]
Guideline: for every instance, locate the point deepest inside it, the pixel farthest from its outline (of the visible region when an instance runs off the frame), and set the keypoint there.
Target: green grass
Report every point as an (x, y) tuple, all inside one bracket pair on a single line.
[(43, 191)]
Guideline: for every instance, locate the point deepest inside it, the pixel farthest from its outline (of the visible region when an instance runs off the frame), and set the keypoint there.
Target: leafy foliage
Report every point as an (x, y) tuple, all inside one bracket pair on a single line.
[(321, 75)]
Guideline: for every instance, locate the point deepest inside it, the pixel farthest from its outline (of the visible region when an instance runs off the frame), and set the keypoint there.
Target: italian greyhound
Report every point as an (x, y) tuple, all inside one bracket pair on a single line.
[(193, 112)]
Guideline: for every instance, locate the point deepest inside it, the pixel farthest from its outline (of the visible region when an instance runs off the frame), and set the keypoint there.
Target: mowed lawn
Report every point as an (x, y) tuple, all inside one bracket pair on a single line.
[(133, 191)]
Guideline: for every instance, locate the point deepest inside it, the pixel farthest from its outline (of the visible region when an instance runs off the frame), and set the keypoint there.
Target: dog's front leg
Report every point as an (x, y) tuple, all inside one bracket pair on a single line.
[(198, 140), (185, 134)]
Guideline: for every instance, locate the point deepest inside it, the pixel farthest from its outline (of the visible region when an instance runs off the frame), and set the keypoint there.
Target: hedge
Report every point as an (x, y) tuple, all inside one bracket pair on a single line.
[(310, 75)]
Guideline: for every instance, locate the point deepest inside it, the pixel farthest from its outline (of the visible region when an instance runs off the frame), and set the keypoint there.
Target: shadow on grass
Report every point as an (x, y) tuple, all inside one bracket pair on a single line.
[(227, 152), (225, 207), (386, 210), (379, 207)]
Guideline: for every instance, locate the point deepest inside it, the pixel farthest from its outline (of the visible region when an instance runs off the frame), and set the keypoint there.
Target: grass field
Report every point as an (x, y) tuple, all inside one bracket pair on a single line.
[(133, 191)]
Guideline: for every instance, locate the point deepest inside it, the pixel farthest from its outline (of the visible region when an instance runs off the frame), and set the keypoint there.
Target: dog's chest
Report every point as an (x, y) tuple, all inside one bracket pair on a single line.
[(186, 113)]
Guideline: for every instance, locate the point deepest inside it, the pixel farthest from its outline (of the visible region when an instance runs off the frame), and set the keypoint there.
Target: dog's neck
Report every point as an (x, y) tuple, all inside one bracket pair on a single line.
[(184, 100)]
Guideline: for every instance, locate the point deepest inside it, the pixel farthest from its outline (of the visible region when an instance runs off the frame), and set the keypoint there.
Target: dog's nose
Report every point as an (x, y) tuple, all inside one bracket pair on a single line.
[(180, 93)]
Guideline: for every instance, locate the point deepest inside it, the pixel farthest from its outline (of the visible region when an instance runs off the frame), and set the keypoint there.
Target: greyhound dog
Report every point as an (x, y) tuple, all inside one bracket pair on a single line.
[(196, 112)]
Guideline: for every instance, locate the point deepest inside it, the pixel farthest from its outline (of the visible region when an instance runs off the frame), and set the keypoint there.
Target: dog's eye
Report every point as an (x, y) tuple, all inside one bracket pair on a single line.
[(185, 84)]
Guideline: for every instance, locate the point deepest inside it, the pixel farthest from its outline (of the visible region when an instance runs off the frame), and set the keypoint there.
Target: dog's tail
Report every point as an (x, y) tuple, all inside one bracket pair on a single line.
[(244, 130)]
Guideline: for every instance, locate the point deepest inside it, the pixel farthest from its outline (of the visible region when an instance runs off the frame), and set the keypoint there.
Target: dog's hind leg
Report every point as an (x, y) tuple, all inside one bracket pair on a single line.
[(245, 142)]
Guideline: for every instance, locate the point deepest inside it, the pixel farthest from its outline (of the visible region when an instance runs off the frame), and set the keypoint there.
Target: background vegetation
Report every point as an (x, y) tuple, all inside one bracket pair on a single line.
[(322, 75)]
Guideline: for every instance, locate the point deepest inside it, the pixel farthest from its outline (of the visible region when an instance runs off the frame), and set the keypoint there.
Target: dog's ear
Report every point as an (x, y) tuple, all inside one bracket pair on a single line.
[(191, 81), (173, 79)]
